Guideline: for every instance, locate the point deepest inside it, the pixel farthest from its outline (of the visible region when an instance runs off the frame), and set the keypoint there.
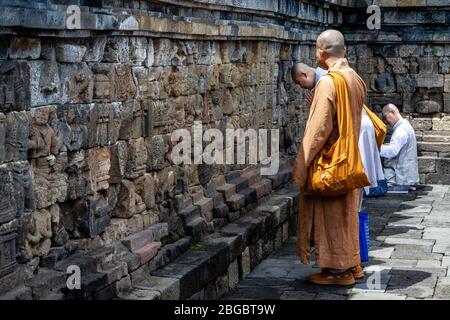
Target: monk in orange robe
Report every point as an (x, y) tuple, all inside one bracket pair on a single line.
[(331, 223)]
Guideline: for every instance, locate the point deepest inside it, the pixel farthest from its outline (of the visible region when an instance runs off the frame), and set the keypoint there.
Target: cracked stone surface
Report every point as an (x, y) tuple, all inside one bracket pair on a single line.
[(409, 258)]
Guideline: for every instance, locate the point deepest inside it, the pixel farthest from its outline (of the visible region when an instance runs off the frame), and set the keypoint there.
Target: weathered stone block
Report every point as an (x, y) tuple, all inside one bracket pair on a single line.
[(116, 50), (73, 123), (136, 159), (156, 152), (118, 161), (14, 86), (70, 53), (145, 187), (95, 49), (430, 81), (98, 163), (164, 52), (8, 257), (428, 106), (16, 137), (25, 48), (129, 202), (147, 252), (8, 208), (125, 87), (44, 83), (104, 124), (77, 83), (86, 217), (44, 223)]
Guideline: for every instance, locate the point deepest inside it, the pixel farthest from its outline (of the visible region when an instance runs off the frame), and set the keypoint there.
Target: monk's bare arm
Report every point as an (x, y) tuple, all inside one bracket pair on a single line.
[(318, 128)]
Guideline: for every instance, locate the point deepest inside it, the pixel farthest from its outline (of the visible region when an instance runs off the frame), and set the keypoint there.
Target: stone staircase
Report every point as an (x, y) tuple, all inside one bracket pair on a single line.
[(214, 265), (239, 219)]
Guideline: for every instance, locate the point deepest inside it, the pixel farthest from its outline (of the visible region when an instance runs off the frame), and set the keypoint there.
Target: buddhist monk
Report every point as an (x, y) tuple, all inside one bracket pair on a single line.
[(330, 223)]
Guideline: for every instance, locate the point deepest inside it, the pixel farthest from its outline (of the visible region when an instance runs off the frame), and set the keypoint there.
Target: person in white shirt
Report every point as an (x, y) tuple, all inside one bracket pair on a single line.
[(400, 164), (307, 78)]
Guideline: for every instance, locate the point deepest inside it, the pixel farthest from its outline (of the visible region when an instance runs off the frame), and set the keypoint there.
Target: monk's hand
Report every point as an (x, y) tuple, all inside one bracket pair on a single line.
[(309, 96)]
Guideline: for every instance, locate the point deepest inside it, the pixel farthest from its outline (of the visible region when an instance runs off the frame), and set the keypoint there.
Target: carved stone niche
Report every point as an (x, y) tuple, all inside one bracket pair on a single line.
[(72, 126), (86, 217), (136, 159), (44, 223), (104, 81), (14, 86), (44, 83), (78, 83), (16, 137), (8, 261), (383, 81), (98, 163), (104, 124), (129, 202), (427, 102), (125, 88), (43, 139), (7, 204), (77, 182), (24, 197), (136, 119), (145, 187), (49, 179)]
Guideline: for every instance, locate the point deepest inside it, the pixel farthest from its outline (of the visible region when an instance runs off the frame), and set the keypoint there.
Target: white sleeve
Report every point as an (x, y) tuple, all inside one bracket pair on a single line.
[(398, 140)]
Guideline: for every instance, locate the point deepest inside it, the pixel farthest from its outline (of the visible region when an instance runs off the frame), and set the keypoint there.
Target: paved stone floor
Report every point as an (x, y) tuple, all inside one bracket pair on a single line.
[(409, 255)]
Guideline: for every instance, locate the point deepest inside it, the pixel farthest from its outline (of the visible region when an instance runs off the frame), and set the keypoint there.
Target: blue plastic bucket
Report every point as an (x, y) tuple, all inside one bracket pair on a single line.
[(364, 239)]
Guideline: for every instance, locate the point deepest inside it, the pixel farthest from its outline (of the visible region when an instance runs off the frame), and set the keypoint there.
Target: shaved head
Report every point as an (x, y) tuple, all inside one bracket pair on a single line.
[(300, 68), (390, 108), (332, 42), (303, 75), (391, 114)]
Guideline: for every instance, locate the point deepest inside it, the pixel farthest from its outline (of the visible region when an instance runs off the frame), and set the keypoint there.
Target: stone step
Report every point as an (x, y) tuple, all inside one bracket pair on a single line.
[(435, 138), (189, 213), (235, 202), (239, 182), (221, 211), (147, 252), (263, 188), (90, 283), (433, 146), (170, 252), (227, 190), (206, 206), (249, 195), (253, 176), (219, 252), (196, 228), (283, 176), (154, 233)]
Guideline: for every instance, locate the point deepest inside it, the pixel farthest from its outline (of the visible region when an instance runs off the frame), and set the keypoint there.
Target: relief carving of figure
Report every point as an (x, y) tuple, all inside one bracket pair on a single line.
[(383, 81), (42, 225), (43, 140)]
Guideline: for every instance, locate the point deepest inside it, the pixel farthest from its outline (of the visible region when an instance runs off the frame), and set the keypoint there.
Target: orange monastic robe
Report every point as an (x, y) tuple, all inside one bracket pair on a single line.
[(332, 222)]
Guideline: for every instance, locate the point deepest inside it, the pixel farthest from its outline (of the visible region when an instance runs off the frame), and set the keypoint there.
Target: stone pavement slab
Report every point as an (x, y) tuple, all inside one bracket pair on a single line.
[(409, 257)]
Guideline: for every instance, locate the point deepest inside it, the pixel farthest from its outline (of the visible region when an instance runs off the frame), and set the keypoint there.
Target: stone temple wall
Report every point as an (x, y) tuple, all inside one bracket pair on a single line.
[(407, 62), (86, 117)]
